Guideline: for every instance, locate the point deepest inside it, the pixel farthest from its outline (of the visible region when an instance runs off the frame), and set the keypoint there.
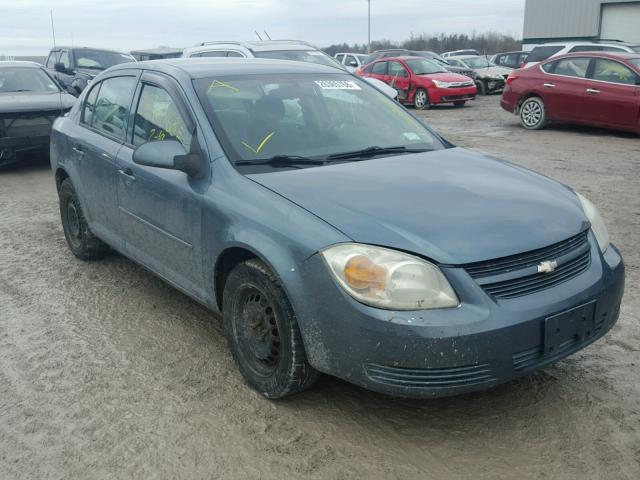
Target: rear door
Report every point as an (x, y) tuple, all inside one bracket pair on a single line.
[(103, 125), (612, 94), (564, 87), (160, 209)]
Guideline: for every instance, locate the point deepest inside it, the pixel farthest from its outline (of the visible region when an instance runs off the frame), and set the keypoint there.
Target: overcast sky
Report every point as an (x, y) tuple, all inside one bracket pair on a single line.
[(130, 24)]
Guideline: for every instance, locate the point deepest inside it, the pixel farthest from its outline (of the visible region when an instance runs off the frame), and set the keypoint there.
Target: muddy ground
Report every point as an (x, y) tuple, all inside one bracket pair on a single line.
[(107, 372)]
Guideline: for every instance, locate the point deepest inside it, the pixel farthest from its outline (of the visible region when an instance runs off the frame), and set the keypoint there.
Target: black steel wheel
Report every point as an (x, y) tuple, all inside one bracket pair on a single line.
[(263, 333), (81, 240)]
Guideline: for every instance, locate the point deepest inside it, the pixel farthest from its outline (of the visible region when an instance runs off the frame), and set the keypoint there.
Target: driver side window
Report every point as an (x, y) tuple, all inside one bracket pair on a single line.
[(158, 118)]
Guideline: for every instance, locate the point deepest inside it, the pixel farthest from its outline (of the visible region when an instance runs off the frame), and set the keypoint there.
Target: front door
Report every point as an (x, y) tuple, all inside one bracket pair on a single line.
[(161, 209), (398, 78), (612, 95)]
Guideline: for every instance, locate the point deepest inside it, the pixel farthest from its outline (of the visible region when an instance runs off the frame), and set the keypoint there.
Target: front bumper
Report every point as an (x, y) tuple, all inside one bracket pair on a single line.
[(493, 85), (11, 148), (449, 95), (482, 343)]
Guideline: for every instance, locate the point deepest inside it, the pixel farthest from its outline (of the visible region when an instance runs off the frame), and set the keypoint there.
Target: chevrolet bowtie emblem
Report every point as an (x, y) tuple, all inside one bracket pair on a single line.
[(547, 266)]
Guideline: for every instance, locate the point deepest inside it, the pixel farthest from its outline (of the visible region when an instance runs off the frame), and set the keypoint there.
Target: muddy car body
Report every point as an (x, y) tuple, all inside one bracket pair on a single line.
[(409, 267), (30, 101)]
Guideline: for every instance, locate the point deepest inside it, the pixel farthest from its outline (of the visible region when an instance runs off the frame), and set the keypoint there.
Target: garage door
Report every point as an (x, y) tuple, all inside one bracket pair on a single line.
[(621, 21)]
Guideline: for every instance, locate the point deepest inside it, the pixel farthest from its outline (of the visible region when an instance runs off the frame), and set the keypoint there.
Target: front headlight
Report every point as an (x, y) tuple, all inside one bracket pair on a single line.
[(388, 279), (597, 224), (440, 84)]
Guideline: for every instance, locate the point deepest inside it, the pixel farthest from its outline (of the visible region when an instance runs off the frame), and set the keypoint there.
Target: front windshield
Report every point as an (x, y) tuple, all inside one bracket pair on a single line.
[(478, 62), (306, 115), (425, 67), (100, 60), (311, 56), (21, 79)]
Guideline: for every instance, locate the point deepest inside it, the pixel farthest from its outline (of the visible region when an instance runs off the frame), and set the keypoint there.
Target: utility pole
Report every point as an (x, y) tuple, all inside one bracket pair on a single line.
[(369, 29)]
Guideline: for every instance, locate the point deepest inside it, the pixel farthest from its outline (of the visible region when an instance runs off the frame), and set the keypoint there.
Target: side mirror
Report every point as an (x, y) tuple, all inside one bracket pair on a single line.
[(353, 63), (169, 154), (59, 67)]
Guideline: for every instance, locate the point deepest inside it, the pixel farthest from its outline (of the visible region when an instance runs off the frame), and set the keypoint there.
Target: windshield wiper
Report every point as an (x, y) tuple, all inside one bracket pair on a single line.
[(282, 161), (373, 151)]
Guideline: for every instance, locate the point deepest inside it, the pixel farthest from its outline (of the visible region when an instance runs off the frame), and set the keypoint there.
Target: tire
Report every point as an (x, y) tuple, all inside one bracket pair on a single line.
[(459, 104), (263, 334), (482, 88), (81, 240), (533, 113), (421, 99)]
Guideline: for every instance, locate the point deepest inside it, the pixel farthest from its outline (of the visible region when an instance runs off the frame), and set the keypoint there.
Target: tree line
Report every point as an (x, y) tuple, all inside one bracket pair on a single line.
[(485, 43)]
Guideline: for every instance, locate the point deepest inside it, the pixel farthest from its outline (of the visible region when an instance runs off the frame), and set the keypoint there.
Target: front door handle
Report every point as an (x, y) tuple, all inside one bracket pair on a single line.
[(549, 85), (593, 90), (127, 175), (78, 150)]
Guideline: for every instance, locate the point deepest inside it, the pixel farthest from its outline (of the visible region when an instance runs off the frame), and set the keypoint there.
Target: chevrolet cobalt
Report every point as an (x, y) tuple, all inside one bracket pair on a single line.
[(333, 231)]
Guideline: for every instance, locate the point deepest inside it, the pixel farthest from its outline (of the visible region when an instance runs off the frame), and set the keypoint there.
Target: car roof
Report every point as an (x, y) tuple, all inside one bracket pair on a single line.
[(611, 55), (205, 67), (261, 46), (19, 63), (61, 47)]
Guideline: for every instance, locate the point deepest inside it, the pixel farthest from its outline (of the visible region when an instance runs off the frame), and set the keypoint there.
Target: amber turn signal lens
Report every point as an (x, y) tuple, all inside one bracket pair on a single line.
[(361, 273)]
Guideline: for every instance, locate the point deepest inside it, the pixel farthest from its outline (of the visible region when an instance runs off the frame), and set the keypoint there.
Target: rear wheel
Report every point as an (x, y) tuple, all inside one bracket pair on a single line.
[(459, 104), (81, 240), (263, 333), (421, 99), (533, 114)]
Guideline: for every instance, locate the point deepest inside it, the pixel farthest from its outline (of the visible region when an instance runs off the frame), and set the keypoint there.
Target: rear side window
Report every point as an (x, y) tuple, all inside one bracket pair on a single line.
[(111, 110), (215, 53), (572, 67), (157, 118), (614, 72), (369, 68), (380, 68), (542, 53), (340, 57)]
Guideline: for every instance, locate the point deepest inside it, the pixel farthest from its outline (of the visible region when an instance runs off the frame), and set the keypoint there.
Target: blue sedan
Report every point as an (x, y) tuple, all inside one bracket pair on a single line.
[(333, 230)]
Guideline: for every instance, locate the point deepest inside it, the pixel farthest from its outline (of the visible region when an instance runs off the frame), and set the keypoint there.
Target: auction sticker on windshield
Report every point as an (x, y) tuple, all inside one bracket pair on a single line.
[(337, 85)]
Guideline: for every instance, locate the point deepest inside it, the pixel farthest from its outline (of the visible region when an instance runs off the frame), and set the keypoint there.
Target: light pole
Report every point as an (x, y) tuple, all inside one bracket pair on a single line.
[(369, 29)]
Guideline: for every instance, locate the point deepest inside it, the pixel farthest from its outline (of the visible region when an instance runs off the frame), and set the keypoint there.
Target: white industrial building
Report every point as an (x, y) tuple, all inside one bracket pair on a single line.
[(561, 20)]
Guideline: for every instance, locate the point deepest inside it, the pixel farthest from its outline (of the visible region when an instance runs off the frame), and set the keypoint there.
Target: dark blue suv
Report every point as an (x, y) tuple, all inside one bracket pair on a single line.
[(333, 230)]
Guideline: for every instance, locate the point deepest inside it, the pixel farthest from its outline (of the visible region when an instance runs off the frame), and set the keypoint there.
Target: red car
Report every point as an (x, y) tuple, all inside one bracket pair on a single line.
[(421, 82), (590, 88)]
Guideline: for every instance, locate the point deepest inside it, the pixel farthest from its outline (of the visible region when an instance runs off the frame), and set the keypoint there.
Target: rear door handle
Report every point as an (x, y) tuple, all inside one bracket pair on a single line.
[(128, 176), (593, 90), (78, 150), (549, 85)]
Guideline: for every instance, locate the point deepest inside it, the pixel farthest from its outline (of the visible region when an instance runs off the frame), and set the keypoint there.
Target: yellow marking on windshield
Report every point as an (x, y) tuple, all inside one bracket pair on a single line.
[(219, 84), (262, 143)]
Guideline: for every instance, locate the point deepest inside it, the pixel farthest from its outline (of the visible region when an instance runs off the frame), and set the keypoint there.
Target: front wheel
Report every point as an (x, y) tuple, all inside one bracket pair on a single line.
[(421, 99), (533, 114), (263, 334), (482, 88)]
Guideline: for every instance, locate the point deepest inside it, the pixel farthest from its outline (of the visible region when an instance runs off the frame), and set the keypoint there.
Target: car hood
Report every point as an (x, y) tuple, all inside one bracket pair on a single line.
[(88, 72), (452, 205), (446, 77), (493, 71), (35, 101)]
